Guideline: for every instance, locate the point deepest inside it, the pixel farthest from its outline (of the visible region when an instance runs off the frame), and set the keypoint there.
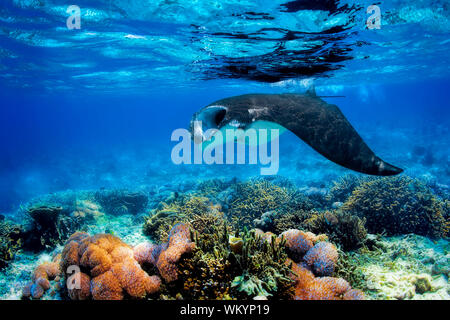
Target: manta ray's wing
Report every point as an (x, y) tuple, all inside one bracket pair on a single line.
[(324, 127)]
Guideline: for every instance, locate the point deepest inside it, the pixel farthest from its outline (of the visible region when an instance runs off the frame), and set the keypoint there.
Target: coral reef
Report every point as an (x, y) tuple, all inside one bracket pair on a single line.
[(253, 198), (11, 240), (399, 205), (342, 228), (294, 219), (121, 201), (344, 186)]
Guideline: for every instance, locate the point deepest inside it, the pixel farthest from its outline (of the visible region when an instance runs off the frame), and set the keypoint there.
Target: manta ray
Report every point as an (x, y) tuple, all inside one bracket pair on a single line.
[(321, 125)]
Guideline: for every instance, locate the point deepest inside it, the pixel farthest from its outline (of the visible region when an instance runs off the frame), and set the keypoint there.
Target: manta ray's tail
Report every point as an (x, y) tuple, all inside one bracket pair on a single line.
[(386, 169)]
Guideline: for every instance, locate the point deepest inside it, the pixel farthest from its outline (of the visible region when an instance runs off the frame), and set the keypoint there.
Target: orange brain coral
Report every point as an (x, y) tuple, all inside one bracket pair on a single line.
[(309, 287), (109, 266), (41, 278)]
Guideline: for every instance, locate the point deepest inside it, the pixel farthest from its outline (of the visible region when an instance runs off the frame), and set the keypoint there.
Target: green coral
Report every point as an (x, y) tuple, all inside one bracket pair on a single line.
[(348, 268), (252, 286), (253, 198), (183, 208), (290, 220), (398, 205), (341, 228), (343, 188), (11, 240), (262, 268), (212, 187)]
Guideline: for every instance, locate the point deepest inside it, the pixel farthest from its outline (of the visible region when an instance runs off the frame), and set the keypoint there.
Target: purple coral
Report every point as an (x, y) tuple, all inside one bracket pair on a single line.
[(322, 258), (297, 242)]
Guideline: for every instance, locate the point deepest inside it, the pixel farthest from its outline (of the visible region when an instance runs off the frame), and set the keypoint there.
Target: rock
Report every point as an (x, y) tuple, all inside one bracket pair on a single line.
[(441, 266), (422, 283)]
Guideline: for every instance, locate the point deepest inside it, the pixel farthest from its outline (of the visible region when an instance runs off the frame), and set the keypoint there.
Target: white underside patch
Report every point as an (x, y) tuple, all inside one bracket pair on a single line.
[(242, 135)]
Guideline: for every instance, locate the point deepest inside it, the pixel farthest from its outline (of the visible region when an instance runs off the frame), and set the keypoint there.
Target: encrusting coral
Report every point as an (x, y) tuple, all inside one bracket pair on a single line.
[(312, 262), (298, 242), (309, 287)]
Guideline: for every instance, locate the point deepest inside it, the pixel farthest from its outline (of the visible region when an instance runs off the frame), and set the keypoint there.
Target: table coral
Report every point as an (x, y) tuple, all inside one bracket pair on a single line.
[(48, 226)]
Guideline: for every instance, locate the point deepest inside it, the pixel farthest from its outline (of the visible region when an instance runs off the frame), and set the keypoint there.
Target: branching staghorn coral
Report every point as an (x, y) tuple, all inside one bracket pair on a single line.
[(342, 228), (253, 198), (343, 188), (184, 208), (399, 205), (11, 240)]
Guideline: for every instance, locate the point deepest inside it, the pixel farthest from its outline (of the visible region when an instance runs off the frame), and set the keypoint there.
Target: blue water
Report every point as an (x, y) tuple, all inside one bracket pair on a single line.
[(95, 107)]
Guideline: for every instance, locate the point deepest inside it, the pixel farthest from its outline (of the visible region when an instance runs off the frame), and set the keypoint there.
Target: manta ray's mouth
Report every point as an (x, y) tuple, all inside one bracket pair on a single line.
[(206, 122)]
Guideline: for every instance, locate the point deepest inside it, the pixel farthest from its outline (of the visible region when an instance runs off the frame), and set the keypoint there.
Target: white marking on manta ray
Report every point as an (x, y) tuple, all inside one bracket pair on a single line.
[(257, 112), (234, 123)]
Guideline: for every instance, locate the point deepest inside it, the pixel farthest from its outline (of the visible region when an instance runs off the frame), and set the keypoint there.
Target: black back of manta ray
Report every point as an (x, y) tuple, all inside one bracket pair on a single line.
[(321, 125)]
